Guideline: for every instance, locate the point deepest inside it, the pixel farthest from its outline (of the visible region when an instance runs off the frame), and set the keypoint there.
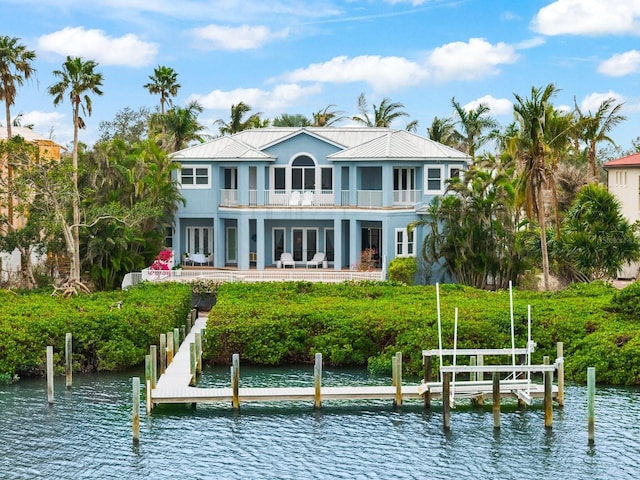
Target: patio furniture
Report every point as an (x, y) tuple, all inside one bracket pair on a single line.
[(198, 258), (295, 199), (287, 259), (316, 261), (307, 199)]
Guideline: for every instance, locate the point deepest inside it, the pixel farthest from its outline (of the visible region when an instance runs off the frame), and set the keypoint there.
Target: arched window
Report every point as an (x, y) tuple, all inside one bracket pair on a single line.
[(303, 173)]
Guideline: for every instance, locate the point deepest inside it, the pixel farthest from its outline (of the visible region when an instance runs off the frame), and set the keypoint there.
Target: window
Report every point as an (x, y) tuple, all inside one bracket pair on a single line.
[(303, 173), (405, 244), (199, 240), (433, 181), (326, 178), (168, 237), (278, 243), (455, 172), (329, 249), (192, 176), (279, 178), (304, 243)]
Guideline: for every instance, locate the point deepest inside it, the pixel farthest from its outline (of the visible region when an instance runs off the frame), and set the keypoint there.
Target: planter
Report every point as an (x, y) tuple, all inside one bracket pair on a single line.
[(203, 302)]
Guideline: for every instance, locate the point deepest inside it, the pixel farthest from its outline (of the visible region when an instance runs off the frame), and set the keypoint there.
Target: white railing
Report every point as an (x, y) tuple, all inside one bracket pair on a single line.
[(299, 198), (405, 197), (228, 197), (369, 198), (271, 275)]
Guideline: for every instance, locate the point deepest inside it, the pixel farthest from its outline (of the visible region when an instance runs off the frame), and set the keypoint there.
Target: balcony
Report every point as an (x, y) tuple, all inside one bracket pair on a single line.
[(405, 198)]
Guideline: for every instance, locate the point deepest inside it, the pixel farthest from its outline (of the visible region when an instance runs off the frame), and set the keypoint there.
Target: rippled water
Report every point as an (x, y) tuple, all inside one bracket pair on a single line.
[(87, 434)]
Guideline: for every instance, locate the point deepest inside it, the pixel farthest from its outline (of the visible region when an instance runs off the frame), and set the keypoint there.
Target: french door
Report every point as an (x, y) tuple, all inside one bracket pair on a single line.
[(305, 243)]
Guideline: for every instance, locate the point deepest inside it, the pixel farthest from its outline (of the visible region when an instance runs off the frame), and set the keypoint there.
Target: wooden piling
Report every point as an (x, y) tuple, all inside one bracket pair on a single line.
[(147, 369), (398, 399), (189, 323), (446, 401), (163, 352), (68, 357), (170, 344), (148, 403), (176, 340), (560, 357), (192, 363), (394, 359), (317, 381), (548, 395), (198, 337), (136, 409), (480, 362), (50, 374), (427, 379), (496, 400), (183, 334), (153, 352), (235, 380), (591, 405)]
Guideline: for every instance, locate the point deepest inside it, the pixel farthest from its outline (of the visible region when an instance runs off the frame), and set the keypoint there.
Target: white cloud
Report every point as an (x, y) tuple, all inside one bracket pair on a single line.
[(498, 106), (49, 124), (588, 17), (281, 96), (592, 102), (382, 73), (467, 61), (244, 37), (531, 43), (127, 50), (621, 64)]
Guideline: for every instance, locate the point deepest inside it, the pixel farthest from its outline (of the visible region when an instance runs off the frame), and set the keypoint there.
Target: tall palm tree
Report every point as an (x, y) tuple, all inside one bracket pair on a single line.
[(327, 117), (533, 116), (595, 128), (383, 114), (473, 125), (77, 78), (164, 82), (16, 66), (442, 130), (182, 126), (289, 120), (237, 123)]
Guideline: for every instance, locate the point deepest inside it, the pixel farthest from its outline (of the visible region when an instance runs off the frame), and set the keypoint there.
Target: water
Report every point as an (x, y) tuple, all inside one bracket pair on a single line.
[(87, 434)]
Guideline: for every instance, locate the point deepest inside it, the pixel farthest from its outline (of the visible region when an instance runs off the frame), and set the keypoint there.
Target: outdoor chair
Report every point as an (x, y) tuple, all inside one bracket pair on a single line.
[(287, 259), (294, 200), (316, 261), (307, 199)]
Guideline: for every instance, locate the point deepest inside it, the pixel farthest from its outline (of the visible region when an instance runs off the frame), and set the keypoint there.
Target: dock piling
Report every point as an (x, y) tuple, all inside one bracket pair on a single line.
[(317, 381), (235, 380), (153, 352), (548, 395), (198, 337), (163, 353), (68, 356), (50, 374), (192, 363), (446, 401), (136, 409), (398, 376), (176, 340), (170, 344), (496, 400), (427, 379), (591, 407), (560, 357)]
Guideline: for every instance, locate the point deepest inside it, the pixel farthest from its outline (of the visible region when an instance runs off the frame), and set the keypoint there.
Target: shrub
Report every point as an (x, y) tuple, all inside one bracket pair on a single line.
[(403, 269), (627, 301)]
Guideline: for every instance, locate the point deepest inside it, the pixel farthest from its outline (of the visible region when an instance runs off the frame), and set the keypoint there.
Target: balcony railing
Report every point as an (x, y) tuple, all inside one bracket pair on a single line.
[(320, 198), (405, 198), (369, 198), (228, 197)]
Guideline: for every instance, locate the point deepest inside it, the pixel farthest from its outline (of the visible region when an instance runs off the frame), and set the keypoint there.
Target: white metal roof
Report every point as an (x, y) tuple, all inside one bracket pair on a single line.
[(222, 148)]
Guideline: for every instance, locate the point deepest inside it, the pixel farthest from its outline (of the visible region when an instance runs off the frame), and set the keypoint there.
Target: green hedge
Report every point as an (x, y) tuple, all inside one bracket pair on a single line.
[(111, 330), (366, 323)]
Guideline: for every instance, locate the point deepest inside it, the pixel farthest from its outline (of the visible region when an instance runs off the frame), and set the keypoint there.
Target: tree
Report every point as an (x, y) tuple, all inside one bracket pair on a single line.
[(327, 117), (595, 128), (531, 148), (129, 125), (182, 126), (237, 123), (16, 66), (164, 82), (383, 114), (473, 125), (77, 78), (442, 130), (288, 120), (596, 239)]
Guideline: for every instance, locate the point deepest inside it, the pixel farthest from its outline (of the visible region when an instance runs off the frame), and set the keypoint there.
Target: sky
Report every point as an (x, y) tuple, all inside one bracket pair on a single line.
[(290, 56)]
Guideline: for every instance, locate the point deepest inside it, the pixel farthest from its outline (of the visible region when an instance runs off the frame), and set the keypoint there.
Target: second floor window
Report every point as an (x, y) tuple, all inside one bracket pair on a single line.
[(303, 173), (192, 176), (434, 179)]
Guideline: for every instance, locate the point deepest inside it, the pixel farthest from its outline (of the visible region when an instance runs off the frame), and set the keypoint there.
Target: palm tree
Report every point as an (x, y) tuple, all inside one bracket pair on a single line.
[(383, 114), (77, 78), (531, 146), (182, 126), (236, 123), (473, 124), (289, 120), (164, 82), (595, 128), (16, 66), (442, 130), (327, 117)]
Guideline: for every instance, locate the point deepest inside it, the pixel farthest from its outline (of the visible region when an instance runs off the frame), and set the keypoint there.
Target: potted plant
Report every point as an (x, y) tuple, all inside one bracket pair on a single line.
[(203, 294)]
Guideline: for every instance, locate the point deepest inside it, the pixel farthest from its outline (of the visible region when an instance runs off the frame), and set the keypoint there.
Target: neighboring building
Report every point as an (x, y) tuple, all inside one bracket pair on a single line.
[(261, 192), (623, 181)]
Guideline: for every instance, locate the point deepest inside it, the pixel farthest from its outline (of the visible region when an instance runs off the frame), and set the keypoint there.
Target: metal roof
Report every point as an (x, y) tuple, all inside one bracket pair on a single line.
[(356, 143), (24, 132)]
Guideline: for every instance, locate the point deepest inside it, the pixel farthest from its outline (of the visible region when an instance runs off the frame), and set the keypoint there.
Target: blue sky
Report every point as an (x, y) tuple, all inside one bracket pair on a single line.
[(289, 56)]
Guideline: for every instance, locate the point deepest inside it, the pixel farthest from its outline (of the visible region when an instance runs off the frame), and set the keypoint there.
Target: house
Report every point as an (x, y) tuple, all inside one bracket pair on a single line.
[(623, 181), (261, 192)]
